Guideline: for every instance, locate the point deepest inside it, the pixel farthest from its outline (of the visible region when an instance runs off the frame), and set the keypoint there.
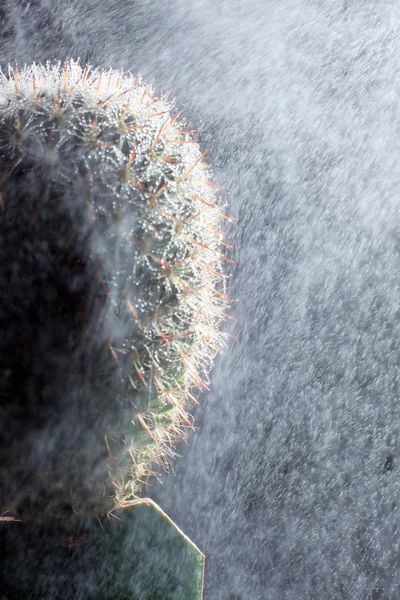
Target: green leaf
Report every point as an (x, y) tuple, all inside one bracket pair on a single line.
[(137, 553)]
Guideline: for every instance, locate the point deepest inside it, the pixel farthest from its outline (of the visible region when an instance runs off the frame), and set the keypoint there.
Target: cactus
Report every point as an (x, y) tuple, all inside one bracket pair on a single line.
[(112, 287)]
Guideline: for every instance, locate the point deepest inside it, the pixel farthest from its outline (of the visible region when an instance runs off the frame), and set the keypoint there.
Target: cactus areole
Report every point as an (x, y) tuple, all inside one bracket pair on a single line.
[(112, 287)]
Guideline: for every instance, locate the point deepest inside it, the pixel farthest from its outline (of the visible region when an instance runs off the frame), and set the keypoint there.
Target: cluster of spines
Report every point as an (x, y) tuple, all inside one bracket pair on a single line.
[(178, 242)]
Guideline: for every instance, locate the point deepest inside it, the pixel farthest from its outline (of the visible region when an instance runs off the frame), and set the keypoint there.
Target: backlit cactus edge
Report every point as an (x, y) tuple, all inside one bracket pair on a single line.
[(112, 287)]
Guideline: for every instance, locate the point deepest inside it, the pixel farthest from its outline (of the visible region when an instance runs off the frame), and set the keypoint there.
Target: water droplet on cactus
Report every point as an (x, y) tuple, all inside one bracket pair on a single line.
[(112, 287)]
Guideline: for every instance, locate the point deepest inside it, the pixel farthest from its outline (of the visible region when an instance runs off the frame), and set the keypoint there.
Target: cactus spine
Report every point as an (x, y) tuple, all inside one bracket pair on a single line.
[(112, 286)]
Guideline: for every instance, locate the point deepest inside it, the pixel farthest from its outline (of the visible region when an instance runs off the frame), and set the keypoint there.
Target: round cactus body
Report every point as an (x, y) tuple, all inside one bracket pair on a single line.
[(112, 287)]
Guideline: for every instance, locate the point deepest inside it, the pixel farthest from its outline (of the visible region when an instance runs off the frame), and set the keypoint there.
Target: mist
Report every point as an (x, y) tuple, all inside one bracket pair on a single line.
[(290, 485)]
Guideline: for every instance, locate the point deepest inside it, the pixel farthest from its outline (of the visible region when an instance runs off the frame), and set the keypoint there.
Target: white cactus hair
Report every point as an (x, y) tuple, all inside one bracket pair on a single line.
[(136, 162)]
